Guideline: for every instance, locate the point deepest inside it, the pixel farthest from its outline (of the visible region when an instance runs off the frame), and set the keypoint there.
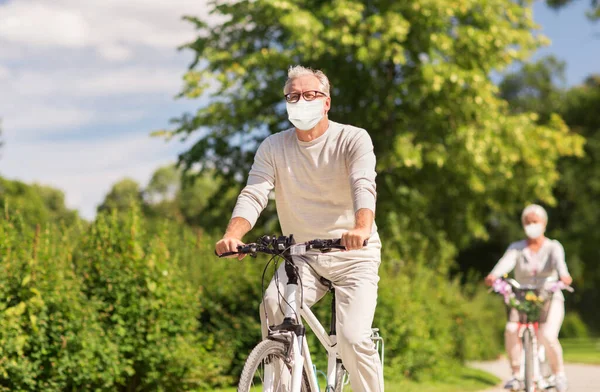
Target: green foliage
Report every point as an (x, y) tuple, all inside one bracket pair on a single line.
[(145, 307), (593, 13), (50, 337), (35, 204), (447, 146), (104, 308), (574, 219), (428, 323), (121, 196), (574, 327)]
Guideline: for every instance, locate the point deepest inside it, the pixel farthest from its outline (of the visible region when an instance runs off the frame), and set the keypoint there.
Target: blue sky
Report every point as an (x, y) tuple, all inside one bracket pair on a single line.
[(82, 84)]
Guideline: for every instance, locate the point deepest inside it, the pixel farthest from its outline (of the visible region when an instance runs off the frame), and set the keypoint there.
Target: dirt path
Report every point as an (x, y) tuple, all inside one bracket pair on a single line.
[(582, 378)]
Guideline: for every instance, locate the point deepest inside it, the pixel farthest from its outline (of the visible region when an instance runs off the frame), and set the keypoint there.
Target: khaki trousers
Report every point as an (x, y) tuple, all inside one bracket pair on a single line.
[(354, 275)]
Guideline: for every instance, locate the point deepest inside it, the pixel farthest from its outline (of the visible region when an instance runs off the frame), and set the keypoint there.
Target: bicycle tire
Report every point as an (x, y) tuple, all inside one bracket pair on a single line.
[(340, 377), (529, 358), (266, 350)]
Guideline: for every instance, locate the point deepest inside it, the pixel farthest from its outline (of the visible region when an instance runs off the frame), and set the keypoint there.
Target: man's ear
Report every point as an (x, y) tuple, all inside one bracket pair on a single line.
[(327, 105)]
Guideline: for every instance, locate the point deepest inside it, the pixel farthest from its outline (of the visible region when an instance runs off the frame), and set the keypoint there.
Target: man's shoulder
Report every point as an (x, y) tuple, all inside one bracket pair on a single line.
[(350, 133), (348, 130), (281, 137)]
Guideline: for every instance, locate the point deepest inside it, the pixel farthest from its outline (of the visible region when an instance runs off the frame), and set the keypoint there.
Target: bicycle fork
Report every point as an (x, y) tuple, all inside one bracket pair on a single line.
[(294, 330), (532, 329)]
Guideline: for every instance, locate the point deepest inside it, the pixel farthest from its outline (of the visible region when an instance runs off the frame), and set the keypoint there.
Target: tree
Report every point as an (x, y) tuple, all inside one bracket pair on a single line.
[(593, 13), (579, 192), (164, 184), (36, 204), (537, 88), (122, 195), (415, 75)]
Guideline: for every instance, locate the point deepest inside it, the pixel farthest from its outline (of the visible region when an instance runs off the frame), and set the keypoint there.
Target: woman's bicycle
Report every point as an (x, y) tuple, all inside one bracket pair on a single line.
[(282, 361), (530, 301)]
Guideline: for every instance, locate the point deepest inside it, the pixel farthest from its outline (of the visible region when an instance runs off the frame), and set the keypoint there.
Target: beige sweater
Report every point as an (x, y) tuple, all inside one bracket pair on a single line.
[(319, 185)]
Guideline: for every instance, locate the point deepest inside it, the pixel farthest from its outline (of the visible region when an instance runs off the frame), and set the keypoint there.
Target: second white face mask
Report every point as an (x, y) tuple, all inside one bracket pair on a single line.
[(305, 115), (534, 230)]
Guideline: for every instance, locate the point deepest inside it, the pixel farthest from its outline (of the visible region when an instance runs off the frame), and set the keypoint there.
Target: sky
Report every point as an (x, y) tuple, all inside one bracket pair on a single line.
[(83, 83)]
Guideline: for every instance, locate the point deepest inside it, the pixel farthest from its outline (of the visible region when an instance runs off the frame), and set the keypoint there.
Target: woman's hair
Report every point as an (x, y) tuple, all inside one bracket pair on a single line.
[(298, 70), (536, 209)]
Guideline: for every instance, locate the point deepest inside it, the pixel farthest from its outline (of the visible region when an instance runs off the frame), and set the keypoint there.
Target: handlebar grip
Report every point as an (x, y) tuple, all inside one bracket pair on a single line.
[(339, 242), (225, 254)]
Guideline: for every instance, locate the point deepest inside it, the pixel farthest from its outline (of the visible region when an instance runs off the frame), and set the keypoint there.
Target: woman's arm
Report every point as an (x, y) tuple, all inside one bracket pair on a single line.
[(558, 253), (504, 266)]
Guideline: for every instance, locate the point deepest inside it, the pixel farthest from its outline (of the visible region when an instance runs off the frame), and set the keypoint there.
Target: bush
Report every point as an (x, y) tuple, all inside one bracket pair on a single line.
[(574, 327), (146, 307), (116, 308), (50, 338), (429, 325), (104, 310)]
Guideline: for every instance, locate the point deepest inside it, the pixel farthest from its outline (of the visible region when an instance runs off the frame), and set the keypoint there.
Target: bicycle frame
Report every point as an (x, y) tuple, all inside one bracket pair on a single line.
[(300, 353), (301, 357), (533, 329), (291, 331), (524, 324)]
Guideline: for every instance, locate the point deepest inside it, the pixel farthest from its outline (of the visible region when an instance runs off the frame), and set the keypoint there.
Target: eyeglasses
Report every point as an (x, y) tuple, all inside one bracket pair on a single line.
[(310, 95)]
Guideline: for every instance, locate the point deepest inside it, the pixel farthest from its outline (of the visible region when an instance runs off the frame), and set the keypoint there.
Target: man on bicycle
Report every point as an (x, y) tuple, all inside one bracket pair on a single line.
[(323, 175)]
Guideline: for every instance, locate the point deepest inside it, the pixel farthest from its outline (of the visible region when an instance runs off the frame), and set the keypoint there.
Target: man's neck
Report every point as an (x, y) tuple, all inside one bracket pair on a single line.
[(312, 134)]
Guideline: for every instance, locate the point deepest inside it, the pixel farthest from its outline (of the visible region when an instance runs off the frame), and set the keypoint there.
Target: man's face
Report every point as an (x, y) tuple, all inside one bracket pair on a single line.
[(308, 83)]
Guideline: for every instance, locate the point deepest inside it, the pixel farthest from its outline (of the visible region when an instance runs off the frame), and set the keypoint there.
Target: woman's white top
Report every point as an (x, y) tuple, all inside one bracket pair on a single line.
[(548, 261)]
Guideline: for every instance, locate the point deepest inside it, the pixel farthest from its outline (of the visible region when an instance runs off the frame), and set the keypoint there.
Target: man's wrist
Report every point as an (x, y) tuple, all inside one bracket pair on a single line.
[(364, 230)]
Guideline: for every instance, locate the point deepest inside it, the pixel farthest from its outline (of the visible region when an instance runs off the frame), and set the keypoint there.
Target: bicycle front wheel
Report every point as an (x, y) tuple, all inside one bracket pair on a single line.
[(529, 358), (266, 369)]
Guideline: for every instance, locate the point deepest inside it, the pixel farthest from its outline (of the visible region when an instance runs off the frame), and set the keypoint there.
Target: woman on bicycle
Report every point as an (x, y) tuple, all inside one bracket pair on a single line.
[(535, 257)]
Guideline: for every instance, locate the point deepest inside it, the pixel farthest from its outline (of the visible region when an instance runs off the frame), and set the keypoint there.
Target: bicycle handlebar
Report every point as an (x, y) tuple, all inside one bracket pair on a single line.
[(279, 245), (555, 285)]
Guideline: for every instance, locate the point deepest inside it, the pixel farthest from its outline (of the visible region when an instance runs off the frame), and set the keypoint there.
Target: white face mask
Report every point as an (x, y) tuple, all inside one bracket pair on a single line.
[(305, 115), (534, 230)]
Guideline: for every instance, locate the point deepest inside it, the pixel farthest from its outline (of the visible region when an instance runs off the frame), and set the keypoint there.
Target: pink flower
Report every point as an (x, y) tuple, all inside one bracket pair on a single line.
[(503, 288)]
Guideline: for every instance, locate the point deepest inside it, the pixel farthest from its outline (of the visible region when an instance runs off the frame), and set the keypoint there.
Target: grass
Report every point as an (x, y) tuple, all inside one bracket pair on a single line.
[(581, 350), (464, 380)]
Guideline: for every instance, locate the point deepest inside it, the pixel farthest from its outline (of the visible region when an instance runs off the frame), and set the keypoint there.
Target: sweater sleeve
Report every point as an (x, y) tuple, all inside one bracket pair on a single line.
[(507, 263), (558, 254), (254, 197), (361, 167)]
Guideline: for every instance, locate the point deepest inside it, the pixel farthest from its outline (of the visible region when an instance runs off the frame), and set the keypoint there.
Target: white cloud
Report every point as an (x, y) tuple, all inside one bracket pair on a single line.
[(72, 73), (129, 80), (40, 24), (92, 82), (114, 52), (44, 118), (4, 72), (86, 170), (109, 26)]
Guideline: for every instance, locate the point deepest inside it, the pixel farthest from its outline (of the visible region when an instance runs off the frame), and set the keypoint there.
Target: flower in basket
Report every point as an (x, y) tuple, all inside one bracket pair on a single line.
[(503, 288)]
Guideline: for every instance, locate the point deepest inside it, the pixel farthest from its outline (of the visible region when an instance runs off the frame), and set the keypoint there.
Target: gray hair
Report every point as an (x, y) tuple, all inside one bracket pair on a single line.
[(537, 210), (296, 71)]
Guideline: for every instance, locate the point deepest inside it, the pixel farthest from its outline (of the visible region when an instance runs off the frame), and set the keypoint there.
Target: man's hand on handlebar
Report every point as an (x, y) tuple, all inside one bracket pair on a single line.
[(354, 239), (229, 245)]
